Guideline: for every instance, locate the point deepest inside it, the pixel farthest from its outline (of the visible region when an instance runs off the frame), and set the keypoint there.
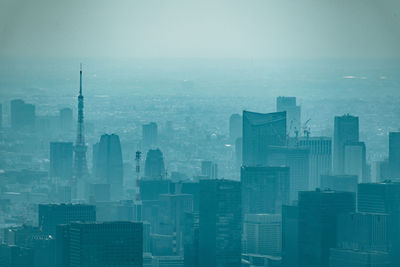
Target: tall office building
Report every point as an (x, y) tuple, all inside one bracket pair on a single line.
[(346, 130), (318, 211), (362, 240), (154, 165), (235, 127), (22, 115), (355, 160), (65, 119), (293, 113), (220, 223), (260, 131), (394, 155), (61, 155), (80, 148), (191, 239), (298, 161), (172, 217), (109, 165), (50, 215), (383, 198), (290, 225), (262, 234), (264, 189), (320, 158), (209, 169), (149, 135), (100, 244)]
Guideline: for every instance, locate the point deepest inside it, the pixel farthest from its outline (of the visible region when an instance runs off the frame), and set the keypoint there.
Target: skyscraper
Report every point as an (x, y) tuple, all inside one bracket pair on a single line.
[(320, 158), (264, 189), (109, 165), (154, 165), (22, 115), (262, 234), (318, 211), (100, 244), (65, 117), (149, 135), (235, 127), (290, 225), (362, 240), (383, 198), (346, 130), (260, 131), (61, 155), (355, 161), (80, 164), (50, 215), (298, 161), (293, 113), (220, 223), (394, 155)]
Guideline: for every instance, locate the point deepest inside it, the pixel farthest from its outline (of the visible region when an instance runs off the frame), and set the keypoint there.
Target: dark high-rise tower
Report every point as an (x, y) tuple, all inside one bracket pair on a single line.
[(109, 164), (346, 130), (80, 164), (260, 131)]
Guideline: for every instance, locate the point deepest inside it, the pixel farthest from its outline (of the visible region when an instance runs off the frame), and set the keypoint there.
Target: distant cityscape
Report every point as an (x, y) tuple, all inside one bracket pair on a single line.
[(269, 192)]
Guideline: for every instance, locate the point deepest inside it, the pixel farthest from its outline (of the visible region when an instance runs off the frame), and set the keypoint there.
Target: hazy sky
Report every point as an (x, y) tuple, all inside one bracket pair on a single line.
[(184, 28)]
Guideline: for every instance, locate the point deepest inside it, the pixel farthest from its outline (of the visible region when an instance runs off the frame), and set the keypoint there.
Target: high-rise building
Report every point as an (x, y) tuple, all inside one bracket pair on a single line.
[(61, 155), (355, 160), (394, 155), (320, 158), (100, 244), (238, 151), (149, 135), (109, 164), (220, 223), (65, 117), (298, 161), (290, 225), (264, 189), (346, 130), (362, 240), (154, 165), (80, 163), (209, 169), (172, 217), (346, 183), (318, 211), (235, 127), (191, 239), (50, 215), (293, 113), (383, 198), (22, 115), (260, 131), (262, 234), (363, 231)]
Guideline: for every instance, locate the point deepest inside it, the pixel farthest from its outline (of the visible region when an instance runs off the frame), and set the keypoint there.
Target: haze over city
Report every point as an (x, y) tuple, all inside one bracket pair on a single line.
[(200, 133)]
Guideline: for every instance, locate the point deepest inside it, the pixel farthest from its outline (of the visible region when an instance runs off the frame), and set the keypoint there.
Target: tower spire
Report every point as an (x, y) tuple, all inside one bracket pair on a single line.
[(80, 148), (80, 81)]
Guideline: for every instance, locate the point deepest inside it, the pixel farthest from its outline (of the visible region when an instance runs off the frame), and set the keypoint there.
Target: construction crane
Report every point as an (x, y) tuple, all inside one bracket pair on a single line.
[(306, 130)]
